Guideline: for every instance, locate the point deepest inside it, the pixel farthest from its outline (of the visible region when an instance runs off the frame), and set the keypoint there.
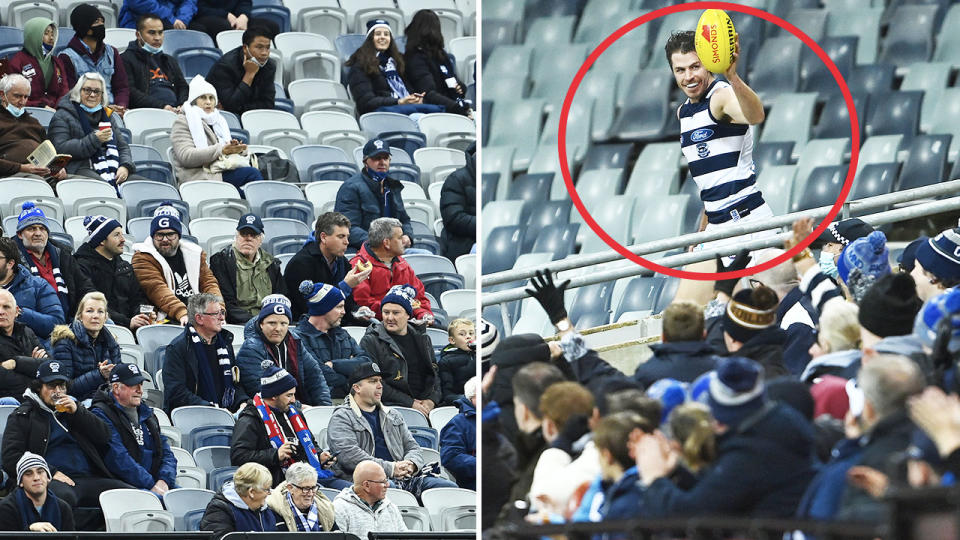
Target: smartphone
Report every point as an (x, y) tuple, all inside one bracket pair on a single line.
[(327, 462)]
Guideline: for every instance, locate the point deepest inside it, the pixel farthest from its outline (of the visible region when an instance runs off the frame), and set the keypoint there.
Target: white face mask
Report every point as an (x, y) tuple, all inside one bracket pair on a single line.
[(254, 58)]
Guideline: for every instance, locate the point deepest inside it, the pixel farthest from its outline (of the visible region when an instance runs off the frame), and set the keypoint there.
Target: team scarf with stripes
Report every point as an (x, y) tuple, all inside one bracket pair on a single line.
[(275, 434), (305, 523), (107, 159), (28, 258), (206, 386), (389, 69)]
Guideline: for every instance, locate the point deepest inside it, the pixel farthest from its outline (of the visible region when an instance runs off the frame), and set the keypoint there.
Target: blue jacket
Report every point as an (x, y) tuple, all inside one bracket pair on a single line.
[(762, 468), (332, 346), (40, 307), (823, 495), (80, 356), (312, 388), (623, 499), (359, 199), (168, 11), (458, 445), (136, 465), (680, 360)]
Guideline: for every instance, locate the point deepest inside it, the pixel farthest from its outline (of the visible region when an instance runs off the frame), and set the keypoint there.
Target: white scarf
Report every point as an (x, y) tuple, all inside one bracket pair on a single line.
[(195, 120)]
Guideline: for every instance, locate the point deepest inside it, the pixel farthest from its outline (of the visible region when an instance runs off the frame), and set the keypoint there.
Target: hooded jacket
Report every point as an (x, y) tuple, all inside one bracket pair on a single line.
[(458, 445), (28, 430), (370, 291), (455, 368), (235, 96), (355, 516), (312, 387), (156, 277), (250, 443), (139, 64), (46, 86), (458, 208), (223, 264), (77, 282), (277, 501), (395, 367), (360, 200), (116, 280), (105, 60), (226, 512), (181, 378), (139, 466), (623, 499), (19, 137), (40, 309), (18, 346), (80, 355), (67, 136), (350, 434)]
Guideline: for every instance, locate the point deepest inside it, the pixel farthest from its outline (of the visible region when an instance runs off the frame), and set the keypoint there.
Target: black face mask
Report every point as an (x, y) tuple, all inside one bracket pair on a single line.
[(99, 32)]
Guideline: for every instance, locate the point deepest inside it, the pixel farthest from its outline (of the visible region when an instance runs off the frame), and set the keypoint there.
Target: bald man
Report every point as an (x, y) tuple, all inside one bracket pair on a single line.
[(364, 507), (20, 352)]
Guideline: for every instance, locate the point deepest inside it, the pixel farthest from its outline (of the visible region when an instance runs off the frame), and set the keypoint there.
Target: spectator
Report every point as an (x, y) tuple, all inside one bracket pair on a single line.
[(155, 79), (299, 503), (458, 439), (618, 469), (37, 304), (376, 74), (246, 272), (384, 250), (458, 209), (364, 507), (750, 330), (20, 132), (243, 77), (21, 350), (138, 451), (71, 439), (746, 479), (431, 72), (691, 433), (215, 16), (88, 52), (863, 262), (202, 146), (100, 259), (683, 354), (320, 332), (273, 342), (100, 153), (50, 260), (273, 433), (372, 194), (322, 261), (32, 506), (38, 63), (458, 360), (404, 354), (838, 341), (937, 268), (199, 365), (241, 504), (173, 14), (833, 240), (170, 271), (888, 308), (86, 351)]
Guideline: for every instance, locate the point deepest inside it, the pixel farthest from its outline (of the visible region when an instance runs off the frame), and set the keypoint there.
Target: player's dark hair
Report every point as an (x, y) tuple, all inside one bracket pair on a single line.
[(679, 42)]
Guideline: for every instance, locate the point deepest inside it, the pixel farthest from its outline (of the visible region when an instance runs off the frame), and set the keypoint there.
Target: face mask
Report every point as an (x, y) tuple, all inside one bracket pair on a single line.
[(150, 48), (15, 111), (254, 58), (827, 265), (91, 109), (46, 48), (377, 175), (99, 32)]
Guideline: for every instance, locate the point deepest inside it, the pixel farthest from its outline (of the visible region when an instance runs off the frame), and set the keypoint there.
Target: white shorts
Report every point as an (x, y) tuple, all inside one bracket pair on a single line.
[(761, 213)]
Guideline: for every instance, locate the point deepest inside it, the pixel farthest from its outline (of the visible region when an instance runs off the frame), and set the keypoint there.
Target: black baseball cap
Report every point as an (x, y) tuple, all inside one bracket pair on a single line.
[(843, 232), (50, 371), (252, 222), (128, 374), (375, 147), (364, 371)]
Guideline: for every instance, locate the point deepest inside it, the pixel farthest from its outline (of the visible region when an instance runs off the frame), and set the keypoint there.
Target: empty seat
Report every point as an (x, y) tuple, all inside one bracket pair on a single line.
[(501, 247), (814, 75), (207, 196), (790, 119), (176, 40), (910, 36), (322, 194), (767, 154), (448, 130), (926, 163), (822, 188), (280, 15), (134, 510), (641, 294), (647, 111), (135, 192), (430, 160), (322, 162), (835, 117), (775, 182), (320, 95), (531, 187), (613, 215), (818, 153), (182, 500), (260, 192), (866, 80), (333, 128), (779, 72), (146, 125), (518, 124), (557, 239), (197, 61), (861, 22), (874, 179), (275, 128), (948, 119), (896, 113), (656, 219), (931, 78), (307, 55)]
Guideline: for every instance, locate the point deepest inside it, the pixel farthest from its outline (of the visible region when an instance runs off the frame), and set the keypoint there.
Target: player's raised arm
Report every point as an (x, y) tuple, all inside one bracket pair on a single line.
[(738, 104)]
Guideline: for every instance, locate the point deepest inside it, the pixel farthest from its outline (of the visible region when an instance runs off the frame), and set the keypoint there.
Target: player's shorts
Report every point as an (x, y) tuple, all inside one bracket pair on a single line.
[(759, 214)]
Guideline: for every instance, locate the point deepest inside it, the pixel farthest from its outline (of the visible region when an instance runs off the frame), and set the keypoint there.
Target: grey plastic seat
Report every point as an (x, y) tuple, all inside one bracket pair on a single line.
[(814, 75), (818, 153), (868, 80), (117, 502), (775, 182), (812, 22), (262, 191), (308, 157), (657, 218), (558, 239), (835, 117), (608, 156), (948, 40), (593, 302), (516, 60), (614, 216), (176, 40), (320, 95), (518, 124), (640, 294), (790, 119), (948, 119), (551, 31), (647, 114), (771, 154), (861, 22), (182, 500), (821, 189), (931, 78), (502, 246), (926, 163), (209, 458), (497, 32), (134, 192), (896, 113), (531, 187), (780, 70), (910, 36), (874, 179), (488, 187)]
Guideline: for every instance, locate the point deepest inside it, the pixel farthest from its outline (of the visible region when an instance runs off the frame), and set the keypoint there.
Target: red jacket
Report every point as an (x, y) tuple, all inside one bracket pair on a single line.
[(41, 94), (370, 291)]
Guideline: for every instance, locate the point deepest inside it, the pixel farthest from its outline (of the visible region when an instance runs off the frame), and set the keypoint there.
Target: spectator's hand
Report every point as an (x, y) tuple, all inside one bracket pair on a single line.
[(419, 405), (233, 147), (64, 478), (250, 66), (33, 169), (556, 351), (429, 404), (138, 320), (355, 275), (654, 457), (549, 296), (184, 320), (487, 382), (105, 368), (740, 262), (364, 313), (329, 365), (869, 479), (39, 352), (119, 109), (939, 416), (406, 241), (160, 488), (42, 526), (412, 99), (285, 451), (171, 108), (232, 19), (122, 174), (9, 364), (801, 229), (178, 24), (242, 22), (103, 135), (61, 174)]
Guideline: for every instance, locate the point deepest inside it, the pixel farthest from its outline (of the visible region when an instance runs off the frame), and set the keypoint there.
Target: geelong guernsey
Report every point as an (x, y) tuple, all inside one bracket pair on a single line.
[(720, 158)]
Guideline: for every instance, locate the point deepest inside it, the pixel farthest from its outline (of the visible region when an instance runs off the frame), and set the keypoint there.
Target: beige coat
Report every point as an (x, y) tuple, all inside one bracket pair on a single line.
[(277, 501), (188, 160)]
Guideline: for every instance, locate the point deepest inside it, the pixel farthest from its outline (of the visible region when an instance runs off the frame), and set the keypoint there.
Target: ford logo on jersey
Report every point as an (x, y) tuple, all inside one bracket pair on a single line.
[(701, 135)]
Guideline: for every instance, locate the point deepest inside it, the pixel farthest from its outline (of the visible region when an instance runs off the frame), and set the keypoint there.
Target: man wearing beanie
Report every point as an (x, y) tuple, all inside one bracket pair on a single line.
[(39, 306), (404, 353), (765, 454), (244, 76), (88, 52), (272, 432), (750, 329), (273, 342), (31, 506), (100, 259), (937, 265), (156, 81), (888, 308), (50, 260), (170, 270), (322, 334), (246, 272)]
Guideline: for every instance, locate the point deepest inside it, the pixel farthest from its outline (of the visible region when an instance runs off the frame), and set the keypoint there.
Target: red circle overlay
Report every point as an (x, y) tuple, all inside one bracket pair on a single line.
[(708, 276)]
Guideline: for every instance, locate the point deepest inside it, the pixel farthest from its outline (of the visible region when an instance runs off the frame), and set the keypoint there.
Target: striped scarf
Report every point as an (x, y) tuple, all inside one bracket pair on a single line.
[(224, 359), (310, 522), (299, 425), (107, 159), (389, 69), (28, 259)]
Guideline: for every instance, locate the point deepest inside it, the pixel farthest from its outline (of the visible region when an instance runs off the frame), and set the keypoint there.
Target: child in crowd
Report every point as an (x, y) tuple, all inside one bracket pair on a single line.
[(457, 360)]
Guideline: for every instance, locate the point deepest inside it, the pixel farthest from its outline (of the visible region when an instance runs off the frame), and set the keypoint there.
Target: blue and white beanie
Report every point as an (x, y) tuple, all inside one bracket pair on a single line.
[(373, 24), (736, 390), (166, 221), (31, 214), (940, 255), (402, 295), (278, 305), (946, 305), (99, 228), (320, 297), (275, 380)]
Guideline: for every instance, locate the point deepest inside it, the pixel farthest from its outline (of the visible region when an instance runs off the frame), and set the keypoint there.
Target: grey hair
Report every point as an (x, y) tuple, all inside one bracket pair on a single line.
[(382, 229), (89, 76), (781, 278), (11, 80), (301, 472), (888, 380), (197, 302), (470, 388)]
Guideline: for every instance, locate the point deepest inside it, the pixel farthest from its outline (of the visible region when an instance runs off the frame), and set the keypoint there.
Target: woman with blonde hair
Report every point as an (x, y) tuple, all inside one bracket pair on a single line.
[(241, 505), (838, 341), (299, 502), (85, 349), (692, 435)]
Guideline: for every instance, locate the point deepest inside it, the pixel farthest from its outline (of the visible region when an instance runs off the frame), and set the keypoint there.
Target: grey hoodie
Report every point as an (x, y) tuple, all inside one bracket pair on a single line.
[(355, 516)]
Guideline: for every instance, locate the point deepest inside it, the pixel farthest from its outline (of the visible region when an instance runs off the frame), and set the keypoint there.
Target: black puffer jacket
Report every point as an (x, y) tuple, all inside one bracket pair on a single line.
[(427, 75), (370, 92), (250, 442), (115, 279), (458, 208), (18, 346), (227, 75), (387, 354), (456, 366), (223, 264), (139, 65)]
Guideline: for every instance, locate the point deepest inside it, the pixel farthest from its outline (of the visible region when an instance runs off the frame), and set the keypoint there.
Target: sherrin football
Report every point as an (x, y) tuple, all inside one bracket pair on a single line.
[(715, 40)]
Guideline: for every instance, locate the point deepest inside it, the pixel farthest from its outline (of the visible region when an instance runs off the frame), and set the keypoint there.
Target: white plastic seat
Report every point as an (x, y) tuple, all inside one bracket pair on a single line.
[(320, 95), (116, 502), (72, 190), (229, 40), (322, 194), (182, 500), (457, 301), (467, 267), (154, 337), (446, 129), (119, 38), (463, 49), (437, 499), (324, 17), (308, 55), (276, 128), (400, 497), (121, 334), (141, 122), (199, 192), (429, 159), (262, 191), (441, 415), (318, 417), (207, 229)]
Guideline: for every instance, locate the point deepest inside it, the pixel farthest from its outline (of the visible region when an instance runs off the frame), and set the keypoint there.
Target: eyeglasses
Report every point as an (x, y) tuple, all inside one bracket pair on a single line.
[(383, 482), (221, 313), (91, 91), (166, 236), (306, 489)]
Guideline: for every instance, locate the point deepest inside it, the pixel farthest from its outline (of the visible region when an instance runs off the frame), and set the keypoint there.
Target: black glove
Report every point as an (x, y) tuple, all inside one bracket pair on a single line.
[(739, 263), (549, 296)]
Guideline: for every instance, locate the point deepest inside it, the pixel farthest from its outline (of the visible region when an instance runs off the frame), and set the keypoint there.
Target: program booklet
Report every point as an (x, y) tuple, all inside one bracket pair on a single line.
[(46, 156)]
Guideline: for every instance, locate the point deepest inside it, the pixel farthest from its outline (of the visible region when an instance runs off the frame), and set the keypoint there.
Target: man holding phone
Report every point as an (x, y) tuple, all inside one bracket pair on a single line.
[(244, 76)]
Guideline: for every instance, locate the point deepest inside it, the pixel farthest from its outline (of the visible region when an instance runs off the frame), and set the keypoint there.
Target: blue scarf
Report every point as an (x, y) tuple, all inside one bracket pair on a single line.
[(305, 523), (275, 434), (208, 390), (381, 180), (389, 69), (107, 159), (49, 512)]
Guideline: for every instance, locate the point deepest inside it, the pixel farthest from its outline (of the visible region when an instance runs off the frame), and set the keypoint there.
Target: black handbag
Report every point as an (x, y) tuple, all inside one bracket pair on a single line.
[(274, 167)]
